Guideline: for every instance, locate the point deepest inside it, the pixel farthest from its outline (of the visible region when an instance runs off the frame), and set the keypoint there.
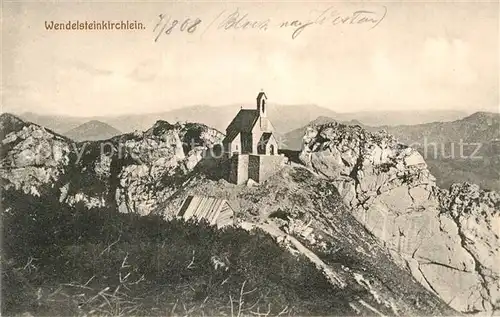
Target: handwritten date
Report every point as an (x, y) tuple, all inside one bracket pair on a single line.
[(167, 25)]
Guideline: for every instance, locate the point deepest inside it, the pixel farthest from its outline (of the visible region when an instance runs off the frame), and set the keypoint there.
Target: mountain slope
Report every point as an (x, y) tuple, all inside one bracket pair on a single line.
[(356, 276), (479, 126), (102, 263), (57, 123), (307, 216), (362, 207), (345, 270), (461, 150), (113, 172), (92, 131)]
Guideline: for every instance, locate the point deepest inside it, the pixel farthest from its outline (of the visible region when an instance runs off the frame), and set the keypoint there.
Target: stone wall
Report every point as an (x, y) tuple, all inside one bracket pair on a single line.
[(254, 162), (270, 165), (256, 167), (238, 173)]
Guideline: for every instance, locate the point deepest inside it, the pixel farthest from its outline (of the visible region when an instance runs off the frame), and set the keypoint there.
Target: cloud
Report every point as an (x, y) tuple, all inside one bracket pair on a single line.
[(447, 61), (89, 69), (437, 72), (386, 70), (146, 71), (440, 63)]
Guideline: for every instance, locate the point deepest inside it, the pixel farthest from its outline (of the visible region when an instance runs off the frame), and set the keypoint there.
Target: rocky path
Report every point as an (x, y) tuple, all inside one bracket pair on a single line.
[(290, 241)]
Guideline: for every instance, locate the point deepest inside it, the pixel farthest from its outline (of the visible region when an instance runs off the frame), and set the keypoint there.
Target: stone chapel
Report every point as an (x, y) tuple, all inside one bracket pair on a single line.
[(251, 145)]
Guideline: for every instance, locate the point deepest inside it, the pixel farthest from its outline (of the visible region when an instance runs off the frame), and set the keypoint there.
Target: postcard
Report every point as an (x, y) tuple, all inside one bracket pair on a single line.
[(250, 158)]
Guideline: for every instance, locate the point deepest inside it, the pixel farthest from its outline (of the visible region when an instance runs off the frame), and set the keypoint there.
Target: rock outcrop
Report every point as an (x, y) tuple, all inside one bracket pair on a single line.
[(31, 156), (448, 239), (134, 171)]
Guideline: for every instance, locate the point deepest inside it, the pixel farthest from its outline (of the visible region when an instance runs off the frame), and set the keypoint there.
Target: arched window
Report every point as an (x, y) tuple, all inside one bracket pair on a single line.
[(262, 148), (263, 106), (271, 149)]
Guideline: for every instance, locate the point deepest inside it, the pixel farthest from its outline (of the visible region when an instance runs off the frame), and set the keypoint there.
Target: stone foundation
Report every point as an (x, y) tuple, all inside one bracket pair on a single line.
[(254, 166)]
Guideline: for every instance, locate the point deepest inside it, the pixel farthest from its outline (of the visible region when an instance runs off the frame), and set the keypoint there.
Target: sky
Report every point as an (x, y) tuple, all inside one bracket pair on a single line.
[(404, 56)]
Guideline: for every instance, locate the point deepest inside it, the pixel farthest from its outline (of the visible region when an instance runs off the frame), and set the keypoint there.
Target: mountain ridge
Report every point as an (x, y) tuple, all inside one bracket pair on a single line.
[(462, 150), (480, 117), (284, 117), (92, 130), (345, 173)]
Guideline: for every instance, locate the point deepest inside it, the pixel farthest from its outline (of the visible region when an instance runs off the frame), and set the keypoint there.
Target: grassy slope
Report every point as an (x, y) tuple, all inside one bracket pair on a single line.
[(61, 261)]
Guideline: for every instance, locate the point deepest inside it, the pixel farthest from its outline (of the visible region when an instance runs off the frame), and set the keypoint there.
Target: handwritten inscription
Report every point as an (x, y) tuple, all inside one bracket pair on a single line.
[(333, 18), (167, 25), (238, 20)]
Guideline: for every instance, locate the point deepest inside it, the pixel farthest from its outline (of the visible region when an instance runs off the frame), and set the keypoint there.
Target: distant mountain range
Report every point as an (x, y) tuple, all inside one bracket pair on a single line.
[(478, 127), (284, 117), (462, 150), (92, 131), (466, 150)]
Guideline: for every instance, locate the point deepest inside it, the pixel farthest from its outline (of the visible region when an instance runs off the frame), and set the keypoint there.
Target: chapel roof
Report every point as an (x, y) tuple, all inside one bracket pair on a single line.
[(243, 122), (231, 136)]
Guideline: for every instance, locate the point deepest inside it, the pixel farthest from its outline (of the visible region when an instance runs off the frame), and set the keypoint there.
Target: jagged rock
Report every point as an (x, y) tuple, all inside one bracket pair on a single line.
[(134, 171), (173, 150), (448, 238), (31, 156)]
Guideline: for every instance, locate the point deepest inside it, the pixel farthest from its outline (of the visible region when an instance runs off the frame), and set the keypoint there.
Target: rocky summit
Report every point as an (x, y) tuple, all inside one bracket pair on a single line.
[(92, 131), (448, 239), (133, 171), (361, 207)]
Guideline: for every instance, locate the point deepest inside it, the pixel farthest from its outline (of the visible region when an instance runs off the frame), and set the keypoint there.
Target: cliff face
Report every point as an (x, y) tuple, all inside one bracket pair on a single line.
[(133, 171), (166, 155), (31, 156), (447, 238)]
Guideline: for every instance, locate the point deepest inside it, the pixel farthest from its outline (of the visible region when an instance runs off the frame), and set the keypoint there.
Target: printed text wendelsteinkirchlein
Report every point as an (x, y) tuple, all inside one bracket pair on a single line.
[(77, 25)]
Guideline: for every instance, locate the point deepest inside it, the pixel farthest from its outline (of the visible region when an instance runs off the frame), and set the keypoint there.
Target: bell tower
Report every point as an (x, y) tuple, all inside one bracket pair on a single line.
[(261, 104)]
